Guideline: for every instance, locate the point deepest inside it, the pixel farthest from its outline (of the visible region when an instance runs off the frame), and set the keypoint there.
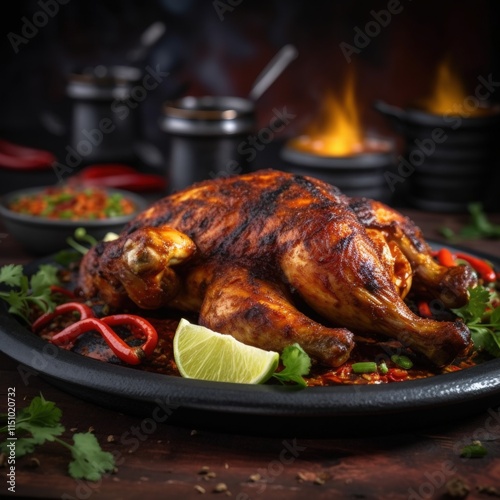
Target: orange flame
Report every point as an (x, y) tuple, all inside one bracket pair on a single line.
[(448, 93), (338, 131)]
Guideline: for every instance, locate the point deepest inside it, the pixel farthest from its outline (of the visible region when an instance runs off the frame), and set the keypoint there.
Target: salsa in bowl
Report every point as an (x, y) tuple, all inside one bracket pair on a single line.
[(43, 218)]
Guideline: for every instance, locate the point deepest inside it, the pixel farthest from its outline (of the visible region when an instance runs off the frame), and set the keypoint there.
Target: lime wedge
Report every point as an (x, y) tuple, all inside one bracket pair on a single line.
[(203, 354)]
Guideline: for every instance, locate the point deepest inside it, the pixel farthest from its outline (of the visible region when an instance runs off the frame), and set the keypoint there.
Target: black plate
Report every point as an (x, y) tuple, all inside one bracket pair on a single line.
[(259, 409)]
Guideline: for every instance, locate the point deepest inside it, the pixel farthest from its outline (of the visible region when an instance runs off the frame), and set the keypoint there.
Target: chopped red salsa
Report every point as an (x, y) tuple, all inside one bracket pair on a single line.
[(70, 203)]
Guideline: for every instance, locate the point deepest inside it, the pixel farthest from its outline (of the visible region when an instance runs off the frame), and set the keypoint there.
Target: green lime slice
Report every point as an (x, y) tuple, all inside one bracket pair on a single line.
[(201, 353)]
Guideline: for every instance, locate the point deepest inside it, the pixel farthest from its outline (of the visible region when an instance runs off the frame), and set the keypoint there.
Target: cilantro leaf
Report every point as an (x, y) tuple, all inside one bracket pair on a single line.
[(486, 340), (495, 317), (11, 274), (41, 412), (474, 310), (23, 446), (89, 461), (40, 422), (26, 292), (482, 319), (296, 363), (43, 278)]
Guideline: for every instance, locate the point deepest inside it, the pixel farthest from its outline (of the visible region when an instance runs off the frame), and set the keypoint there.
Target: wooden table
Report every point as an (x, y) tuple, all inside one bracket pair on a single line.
[(180, 462)]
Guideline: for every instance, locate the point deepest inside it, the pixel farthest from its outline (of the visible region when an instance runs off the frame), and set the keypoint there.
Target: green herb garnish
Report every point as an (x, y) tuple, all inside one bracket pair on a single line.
[(296, 363), (39, 423), (479, 227), (482, 319), (81, 236), (474, 450), (25, 292)]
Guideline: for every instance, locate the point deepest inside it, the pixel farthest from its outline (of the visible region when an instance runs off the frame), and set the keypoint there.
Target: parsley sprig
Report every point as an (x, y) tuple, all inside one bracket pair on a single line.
[(482, 316), (296, 363), (40, 423), (25, 292)]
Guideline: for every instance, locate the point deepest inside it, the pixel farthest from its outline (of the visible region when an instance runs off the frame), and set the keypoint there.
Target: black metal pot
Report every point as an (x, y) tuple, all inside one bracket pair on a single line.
[(360, 174), (206, 138), (449, 160), (106, 119)]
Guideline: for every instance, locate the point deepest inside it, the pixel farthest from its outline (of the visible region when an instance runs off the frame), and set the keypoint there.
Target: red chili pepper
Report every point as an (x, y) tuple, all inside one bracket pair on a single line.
[(128, 354), (139, 328), (484, 270), (84, 310), (445, 258), (424, 309), (118, 176), (17, 157), (104, 170)]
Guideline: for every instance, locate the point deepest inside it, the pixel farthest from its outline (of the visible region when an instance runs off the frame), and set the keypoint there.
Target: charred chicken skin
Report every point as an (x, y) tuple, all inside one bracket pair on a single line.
[(244, 251)]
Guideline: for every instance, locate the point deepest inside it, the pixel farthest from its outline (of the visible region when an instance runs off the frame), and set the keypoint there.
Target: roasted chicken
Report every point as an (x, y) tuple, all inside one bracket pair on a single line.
[(274, 258)]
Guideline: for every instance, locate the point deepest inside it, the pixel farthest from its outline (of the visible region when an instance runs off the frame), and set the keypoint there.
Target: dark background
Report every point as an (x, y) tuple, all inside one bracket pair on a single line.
[(209, 50)]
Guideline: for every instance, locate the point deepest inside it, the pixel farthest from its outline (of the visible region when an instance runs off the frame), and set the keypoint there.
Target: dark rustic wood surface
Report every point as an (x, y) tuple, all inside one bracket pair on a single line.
[(167, 461)]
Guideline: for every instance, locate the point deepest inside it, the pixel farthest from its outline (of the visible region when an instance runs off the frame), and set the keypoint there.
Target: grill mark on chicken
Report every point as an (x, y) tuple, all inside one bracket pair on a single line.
[(370, 281)]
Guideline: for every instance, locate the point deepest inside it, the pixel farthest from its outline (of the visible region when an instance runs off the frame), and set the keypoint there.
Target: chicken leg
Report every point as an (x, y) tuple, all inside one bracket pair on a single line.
[(260, 313), (339, 292)]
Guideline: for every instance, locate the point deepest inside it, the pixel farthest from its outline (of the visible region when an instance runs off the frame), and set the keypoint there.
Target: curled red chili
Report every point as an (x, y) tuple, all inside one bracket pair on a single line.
[(128, 354), (68, 307), (138, 326)]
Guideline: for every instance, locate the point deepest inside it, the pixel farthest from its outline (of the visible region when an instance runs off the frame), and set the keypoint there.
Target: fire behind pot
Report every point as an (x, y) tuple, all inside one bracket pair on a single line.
[(451, 145), (335, 149)]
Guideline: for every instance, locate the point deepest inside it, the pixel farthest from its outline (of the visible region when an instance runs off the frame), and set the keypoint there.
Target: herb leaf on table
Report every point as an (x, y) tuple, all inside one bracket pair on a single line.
[(39, 423)]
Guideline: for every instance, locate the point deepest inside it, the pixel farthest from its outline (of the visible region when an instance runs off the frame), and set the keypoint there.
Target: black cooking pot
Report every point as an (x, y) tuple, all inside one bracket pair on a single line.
[(449, 160), (206, 138), (106, 119), (361, 174)]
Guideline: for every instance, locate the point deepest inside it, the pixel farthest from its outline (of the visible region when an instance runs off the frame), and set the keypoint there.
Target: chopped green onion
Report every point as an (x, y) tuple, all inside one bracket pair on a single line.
[(364, 367), (402, 361), (474, 450), (383, 368), (65, 214)]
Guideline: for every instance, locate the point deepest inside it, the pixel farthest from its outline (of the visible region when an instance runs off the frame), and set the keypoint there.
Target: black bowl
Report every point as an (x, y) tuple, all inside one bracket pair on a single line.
[(43, 236)]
